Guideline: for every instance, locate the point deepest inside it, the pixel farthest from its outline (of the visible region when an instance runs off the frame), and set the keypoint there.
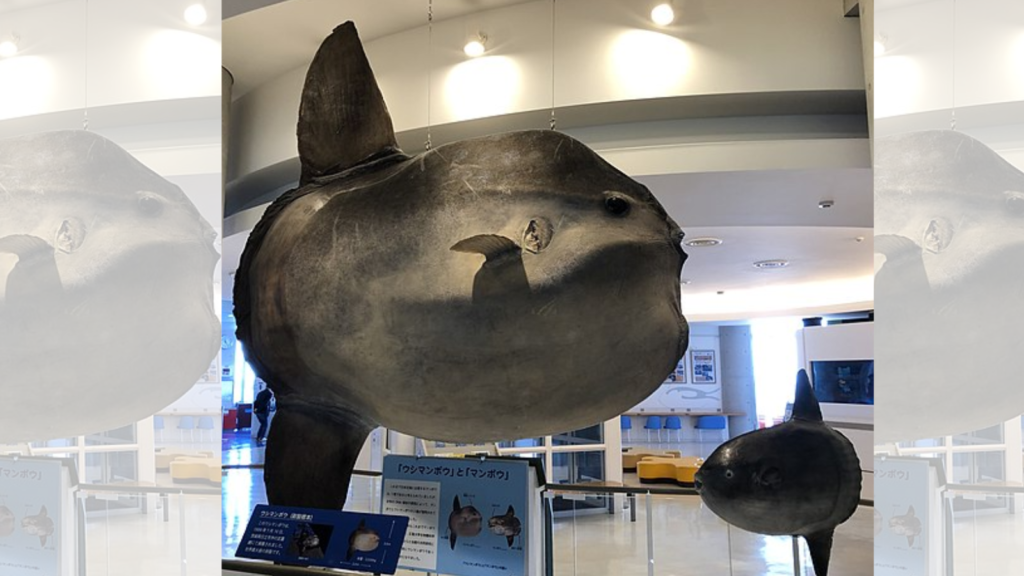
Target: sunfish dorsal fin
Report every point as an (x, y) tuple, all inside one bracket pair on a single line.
[(342, 117), (805, 405)]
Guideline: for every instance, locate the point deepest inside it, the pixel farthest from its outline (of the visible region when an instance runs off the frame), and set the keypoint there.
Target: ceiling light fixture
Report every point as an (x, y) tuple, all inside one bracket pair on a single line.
[(825, 204), (771, 264), (195, 14), (704, 242), (9, 47), (663, 14), (477, 46)]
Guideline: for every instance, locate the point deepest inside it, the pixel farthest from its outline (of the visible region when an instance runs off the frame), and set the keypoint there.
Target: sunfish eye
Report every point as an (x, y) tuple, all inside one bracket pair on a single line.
[(728, 474), (69, 236), (1014, 202), (938, 235), (616, 204), (149, 204)]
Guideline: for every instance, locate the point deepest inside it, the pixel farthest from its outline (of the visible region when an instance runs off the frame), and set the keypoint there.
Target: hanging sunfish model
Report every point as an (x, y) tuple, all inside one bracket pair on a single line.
[(949, 349), (800, 478), (106, 288), (502, 287)]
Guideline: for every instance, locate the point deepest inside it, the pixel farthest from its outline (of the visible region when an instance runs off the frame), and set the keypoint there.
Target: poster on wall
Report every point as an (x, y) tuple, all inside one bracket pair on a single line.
[(703, 362), (678, 376), (30, 516), (467, 517)]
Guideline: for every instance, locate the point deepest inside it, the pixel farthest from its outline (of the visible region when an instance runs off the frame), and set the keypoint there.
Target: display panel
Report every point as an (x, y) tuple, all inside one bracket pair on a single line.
[(844, 381)]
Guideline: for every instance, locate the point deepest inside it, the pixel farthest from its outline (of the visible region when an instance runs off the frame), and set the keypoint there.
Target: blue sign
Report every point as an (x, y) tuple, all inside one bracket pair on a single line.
[(313, 537), (30, 516), (467, 516)]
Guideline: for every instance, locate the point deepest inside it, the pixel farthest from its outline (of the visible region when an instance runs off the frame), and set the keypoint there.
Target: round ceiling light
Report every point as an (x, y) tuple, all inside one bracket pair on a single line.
[(663, 15), (475, 47), (8, 48), (195, 14), (703, 242), (771, 264)]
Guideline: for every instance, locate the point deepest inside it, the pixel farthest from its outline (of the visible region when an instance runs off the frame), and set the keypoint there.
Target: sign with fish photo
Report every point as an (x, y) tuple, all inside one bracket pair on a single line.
[(904, 517), (467, 516), (315, 537), (703, 362), (30, 516)]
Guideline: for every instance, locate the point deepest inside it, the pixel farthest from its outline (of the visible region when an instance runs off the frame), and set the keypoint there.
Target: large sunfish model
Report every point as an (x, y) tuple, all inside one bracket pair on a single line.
[(106, 288), (503, 287), (949, 348), (800, 478)]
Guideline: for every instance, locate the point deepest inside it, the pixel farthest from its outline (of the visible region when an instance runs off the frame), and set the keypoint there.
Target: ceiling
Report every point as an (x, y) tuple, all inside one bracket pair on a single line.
[(759, 214)]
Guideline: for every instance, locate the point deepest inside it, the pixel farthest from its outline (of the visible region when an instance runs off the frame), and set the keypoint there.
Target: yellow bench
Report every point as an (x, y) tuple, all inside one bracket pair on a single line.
[(207, 469), (675, 470), (165, 457), (631, 457)]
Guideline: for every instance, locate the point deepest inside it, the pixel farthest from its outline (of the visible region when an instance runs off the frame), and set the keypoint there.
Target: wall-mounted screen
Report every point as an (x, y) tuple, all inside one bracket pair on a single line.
[(844, 381)]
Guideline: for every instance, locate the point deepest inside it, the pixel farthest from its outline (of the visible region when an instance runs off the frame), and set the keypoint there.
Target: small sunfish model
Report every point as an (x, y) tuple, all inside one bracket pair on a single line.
[(949, 220), (106, 288), (6, 522), (463, 521), (362, 539), (471, 293), (800, 478), (305, 543), (506, 525), (908, 525), (40, 525)]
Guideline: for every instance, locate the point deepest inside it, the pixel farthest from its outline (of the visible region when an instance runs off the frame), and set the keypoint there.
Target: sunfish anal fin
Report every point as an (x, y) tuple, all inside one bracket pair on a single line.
[(343, 119), (805, 405), (510, 540), (451, 539), (35, 275), (42, 540), (820, 545)]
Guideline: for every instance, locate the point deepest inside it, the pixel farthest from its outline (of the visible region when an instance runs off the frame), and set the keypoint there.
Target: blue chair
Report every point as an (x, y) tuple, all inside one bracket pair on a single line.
[(675, 423), (158, 425), (709, 423), (187, 423), (205, 423), (653, 423), (626, 424)]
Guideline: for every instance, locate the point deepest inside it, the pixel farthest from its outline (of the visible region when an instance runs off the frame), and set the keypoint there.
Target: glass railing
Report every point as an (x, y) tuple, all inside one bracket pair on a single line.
[(987, 528), (152, 530), (621, 530)]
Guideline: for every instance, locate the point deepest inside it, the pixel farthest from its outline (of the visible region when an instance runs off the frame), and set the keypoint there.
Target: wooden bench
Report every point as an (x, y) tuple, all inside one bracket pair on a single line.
[(679, 471), (205, 469), (632, 456)]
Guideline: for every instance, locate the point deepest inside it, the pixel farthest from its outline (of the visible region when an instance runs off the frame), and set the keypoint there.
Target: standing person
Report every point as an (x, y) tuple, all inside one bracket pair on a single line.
[(261, 408)]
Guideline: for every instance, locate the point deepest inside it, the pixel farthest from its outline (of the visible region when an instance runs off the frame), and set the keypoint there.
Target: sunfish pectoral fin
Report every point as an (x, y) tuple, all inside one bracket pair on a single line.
[(494, 247), (35, 275), (805, 405), (820, 546)]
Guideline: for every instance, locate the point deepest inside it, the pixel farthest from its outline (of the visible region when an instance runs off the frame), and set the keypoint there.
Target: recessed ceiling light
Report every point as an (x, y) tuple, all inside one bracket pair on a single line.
[(685, 282), (703, 242), (824, 204), (195, 14), (662, 14), (476, 46), (771, 264), (8, 48)]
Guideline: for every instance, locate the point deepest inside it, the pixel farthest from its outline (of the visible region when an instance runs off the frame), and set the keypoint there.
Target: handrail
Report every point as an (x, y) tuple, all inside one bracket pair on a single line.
[(156, 489), (273, 569), (367, 473)]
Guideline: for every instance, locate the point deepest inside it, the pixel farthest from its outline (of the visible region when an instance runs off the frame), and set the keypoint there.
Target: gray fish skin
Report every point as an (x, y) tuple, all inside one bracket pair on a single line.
[(471, 293), (800, 478), (106, 288), (949, 219)]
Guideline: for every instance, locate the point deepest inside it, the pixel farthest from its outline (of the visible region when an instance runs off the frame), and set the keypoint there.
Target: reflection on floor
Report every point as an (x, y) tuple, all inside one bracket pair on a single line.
[(688, 538)]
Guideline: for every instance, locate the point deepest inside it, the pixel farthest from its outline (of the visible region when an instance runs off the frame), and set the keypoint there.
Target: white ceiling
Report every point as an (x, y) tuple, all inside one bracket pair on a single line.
[(763, 214)]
